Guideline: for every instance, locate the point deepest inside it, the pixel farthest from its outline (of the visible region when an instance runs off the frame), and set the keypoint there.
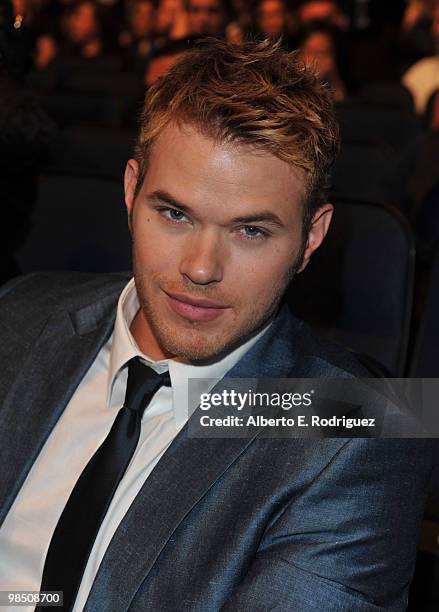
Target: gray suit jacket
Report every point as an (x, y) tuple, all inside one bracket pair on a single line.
[(325, 525)]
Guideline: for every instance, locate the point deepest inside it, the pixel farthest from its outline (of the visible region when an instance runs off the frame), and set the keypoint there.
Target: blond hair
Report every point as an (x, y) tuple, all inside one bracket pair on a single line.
[(256, 94)]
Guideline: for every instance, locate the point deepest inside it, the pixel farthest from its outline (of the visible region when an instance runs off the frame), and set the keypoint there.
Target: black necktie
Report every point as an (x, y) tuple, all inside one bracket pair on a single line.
[(88, 503)]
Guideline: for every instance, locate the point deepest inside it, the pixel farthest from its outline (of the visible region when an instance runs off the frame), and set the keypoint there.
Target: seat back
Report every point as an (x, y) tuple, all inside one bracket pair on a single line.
[(358, 287), (78, 223), (363, 171), (425, 361), (93, 151), (395, 128), (383, 94), (427, 217)]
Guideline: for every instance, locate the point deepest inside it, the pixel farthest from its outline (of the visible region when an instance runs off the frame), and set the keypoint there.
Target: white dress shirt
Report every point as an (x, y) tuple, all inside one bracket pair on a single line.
[(27, 530)]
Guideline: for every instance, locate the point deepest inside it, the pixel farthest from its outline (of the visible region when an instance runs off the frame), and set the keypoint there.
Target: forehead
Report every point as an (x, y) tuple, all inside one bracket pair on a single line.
[(200, 171)]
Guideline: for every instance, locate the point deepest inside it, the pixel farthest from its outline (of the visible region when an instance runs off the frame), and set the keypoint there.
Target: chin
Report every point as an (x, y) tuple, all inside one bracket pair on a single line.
[(206, 346), (197, 347)]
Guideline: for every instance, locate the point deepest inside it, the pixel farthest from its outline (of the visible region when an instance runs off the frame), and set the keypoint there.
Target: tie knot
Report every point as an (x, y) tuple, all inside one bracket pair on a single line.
[(142, 384)]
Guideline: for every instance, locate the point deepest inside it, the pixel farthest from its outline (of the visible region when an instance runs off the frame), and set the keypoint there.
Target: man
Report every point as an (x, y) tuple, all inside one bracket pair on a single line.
[(208, 17), (135, 41), (226, 201), (320, 48), (271, 18)]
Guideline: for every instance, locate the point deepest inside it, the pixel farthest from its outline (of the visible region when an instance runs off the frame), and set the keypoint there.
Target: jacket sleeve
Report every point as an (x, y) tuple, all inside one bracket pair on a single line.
[(348, 542)]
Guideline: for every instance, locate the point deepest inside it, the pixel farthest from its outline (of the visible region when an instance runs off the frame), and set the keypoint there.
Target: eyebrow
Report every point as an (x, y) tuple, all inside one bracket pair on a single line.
[(265, 216), (167, 198)]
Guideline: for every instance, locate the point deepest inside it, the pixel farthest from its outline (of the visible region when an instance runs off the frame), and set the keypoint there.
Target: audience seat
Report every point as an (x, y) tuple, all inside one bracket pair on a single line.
[(358, 287), (394, 128), (427, 217), (362, 171), (79, 108), (95, 82), (384, 94), (92, 151), (79, 223), (425, 360)]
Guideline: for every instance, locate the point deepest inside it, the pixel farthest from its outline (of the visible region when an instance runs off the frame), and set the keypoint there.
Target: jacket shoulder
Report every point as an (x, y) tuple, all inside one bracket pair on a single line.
[(316, 356), (329, 356), (59, 284), (27, 302)]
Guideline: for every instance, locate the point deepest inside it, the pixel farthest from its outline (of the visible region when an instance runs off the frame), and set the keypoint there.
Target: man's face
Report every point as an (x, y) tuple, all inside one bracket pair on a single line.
[(272, 18), (82, 25), (217, 232), (318, 51), (142, 19), (206, 17)]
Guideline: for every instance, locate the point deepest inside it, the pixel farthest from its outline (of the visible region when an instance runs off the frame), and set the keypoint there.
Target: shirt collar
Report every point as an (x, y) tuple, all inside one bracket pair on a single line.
[(124, 348)]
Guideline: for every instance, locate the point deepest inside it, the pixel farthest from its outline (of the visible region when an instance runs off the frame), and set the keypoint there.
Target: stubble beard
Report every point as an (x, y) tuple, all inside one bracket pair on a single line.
[(195, 343)]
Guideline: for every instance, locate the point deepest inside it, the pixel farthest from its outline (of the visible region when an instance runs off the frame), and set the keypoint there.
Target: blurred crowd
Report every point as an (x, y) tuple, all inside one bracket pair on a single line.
[(351, 42)]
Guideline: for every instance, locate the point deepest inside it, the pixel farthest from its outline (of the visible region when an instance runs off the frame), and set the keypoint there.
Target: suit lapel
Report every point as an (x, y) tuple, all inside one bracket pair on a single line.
[(184, 474), (49, 375)]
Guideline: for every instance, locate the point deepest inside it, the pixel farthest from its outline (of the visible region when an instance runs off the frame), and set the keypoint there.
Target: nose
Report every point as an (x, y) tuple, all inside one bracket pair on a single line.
[(203, 258)]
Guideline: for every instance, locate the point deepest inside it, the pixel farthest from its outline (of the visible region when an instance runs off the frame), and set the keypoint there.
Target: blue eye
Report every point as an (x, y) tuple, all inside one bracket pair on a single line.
[(172, 214), (251, 231), (175, 215)]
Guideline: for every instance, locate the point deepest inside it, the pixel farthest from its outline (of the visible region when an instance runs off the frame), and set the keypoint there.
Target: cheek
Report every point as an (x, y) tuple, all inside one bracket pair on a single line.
[(153, 248), (146, 233), (265, 272)]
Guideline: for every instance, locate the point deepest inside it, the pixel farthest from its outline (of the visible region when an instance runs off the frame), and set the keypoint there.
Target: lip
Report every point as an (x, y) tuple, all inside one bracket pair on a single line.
[(195, 309)]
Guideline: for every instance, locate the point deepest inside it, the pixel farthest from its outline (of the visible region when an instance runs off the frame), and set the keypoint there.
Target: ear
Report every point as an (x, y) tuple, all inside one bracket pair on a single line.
[(130, 183), (319, 226)]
